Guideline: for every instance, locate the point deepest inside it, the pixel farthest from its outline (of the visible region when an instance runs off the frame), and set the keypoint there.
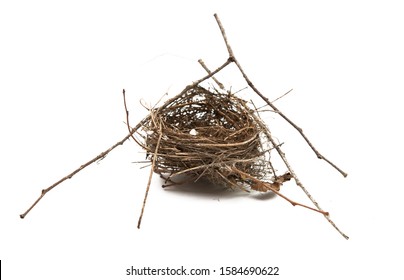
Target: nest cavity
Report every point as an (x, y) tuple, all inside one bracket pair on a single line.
[(207, 134)]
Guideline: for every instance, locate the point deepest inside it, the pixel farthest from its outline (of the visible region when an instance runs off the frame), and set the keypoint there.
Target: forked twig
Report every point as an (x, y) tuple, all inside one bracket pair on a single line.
[(213, 77), (289, 167), (106, 152), (264, 185), (300, 130), (70, 175)]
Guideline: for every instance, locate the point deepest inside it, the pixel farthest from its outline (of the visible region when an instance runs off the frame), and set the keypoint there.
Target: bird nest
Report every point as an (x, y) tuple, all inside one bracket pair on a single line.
[(208, 134), (211, 134)]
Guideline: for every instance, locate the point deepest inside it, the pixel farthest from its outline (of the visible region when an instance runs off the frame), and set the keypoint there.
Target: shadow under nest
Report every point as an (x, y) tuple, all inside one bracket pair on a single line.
[(210, 135)]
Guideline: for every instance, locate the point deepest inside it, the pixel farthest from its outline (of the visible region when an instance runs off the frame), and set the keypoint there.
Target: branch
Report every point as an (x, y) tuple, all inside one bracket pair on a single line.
[(277, 147), (259, 185), (150, 177), (100, 156), (209, 72), (300, 130)]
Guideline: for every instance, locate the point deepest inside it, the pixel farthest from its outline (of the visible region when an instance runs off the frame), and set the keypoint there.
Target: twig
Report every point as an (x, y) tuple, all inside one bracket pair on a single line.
[(131, 132), (268, 186), (213, 77), (300, 130), (282, 96), (150, 178), (127, 116), (100, 156), (300, 184)]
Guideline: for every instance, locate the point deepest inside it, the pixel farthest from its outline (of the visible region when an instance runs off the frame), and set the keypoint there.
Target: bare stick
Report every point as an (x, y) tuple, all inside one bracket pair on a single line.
[(150, 178), (268, 186), (300, 130), (207, 70), (127, 116), (229, 50), (277, 147), (131, 132), (300, 184), (100, 156), (282, 95)]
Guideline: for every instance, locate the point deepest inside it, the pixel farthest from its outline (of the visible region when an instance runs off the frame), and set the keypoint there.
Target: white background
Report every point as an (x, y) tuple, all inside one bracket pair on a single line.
[(62, 70)]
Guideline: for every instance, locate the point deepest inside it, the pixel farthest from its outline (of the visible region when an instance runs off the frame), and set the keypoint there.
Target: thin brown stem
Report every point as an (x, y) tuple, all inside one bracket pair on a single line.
[(229, 49), (131, 132), (209, 72), (300, 184), (283, 95), (299, 129), (268, 186), (150, 177), (70, 175), (127, 115)]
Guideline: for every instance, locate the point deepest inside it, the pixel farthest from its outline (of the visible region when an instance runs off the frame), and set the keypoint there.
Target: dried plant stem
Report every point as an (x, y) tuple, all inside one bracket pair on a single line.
[(132, 131), (289, 167), (269, 187), (100, 156), (150, 178), (213, 77), (300, 184), (300, 130), (127, 116)]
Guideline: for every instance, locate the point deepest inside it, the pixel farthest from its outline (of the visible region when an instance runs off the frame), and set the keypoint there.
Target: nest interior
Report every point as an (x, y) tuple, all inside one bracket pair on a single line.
[(207, 134)]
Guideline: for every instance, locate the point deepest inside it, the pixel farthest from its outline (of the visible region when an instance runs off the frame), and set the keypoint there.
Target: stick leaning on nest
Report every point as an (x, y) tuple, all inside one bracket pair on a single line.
[(211, 134)]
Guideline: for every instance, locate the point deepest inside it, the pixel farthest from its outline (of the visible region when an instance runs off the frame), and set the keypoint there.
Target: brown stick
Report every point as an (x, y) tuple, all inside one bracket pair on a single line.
[(268, 186), (150, 177), (280, 152), (298, 182), (103, 154), (213, 77), (100, 156), (300, 130)]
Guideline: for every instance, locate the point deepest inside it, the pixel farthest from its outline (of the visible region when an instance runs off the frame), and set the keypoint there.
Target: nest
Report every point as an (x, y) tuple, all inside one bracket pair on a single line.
[(213, 135), (208, 134)]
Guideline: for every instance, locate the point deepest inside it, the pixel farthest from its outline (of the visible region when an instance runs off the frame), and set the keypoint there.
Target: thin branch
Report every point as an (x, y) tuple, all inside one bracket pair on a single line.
[(127, 116), (300, 130), (292, 172), (150, 177), (277, 147), (100, 156), (131, 132), (229, 50), (213, 77), (268, 186), (300, 184), (282, 95)]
